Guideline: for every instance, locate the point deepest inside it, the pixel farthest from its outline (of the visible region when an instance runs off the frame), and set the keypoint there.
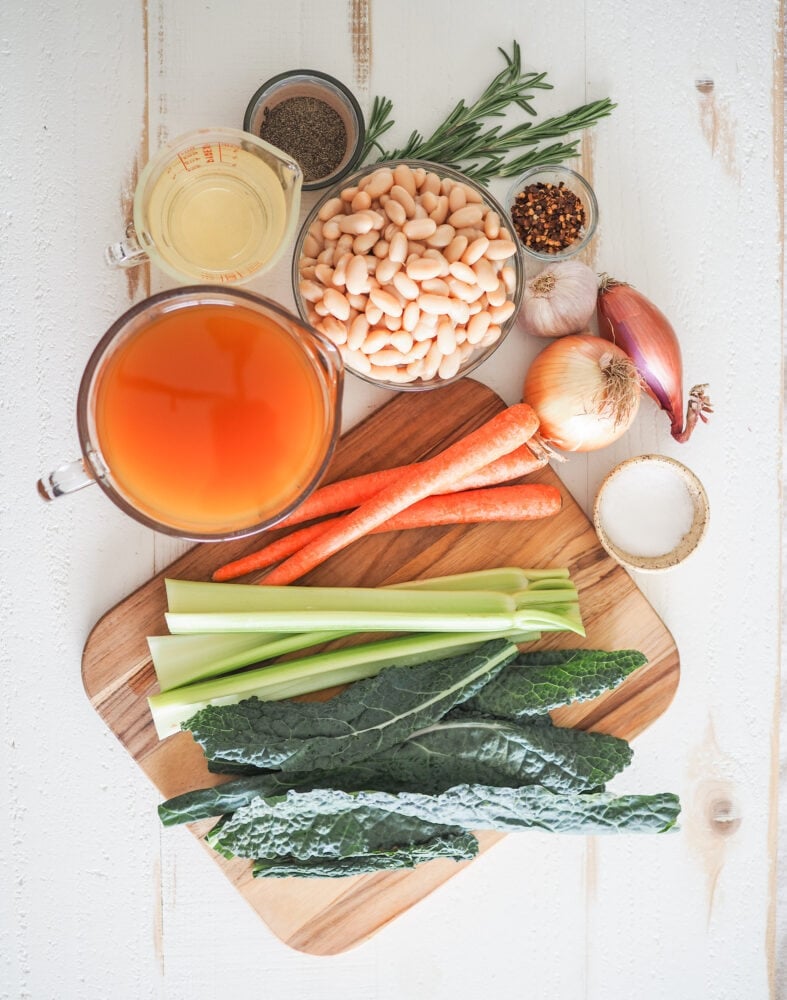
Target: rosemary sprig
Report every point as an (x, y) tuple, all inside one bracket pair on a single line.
[(465, 140)]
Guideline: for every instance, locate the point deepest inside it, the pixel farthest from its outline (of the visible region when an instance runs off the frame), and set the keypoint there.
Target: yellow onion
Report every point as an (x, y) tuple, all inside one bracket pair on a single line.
[(585, 392)]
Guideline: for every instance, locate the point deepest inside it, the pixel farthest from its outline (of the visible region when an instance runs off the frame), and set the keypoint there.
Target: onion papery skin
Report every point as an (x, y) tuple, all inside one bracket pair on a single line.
[(565, 386), (629, 320)]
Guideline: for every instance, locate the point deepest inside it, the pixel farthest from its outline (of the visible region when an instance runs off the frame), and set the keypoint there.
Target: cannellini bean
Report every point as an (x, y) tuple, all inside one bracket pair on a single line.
[(310, 290), (385, 301), (501, 313), (365, 242), (386, 357), (491, 225), (455, 248), (473, 197), (477, 327), (357, 223), (457, 197), (380, 249), (386, 269), (356, 275), (449, 365), (334, 329), (464, 291), (446, 338), (406, 285), (404, 198), (336, 304), (321, 309), (442, 236), (460, 332), (441, 210), (462, 271), (415, 367), (307, 272), (470, 215), (434, 254), (356, 334), (500, 250), (435, 304), (392, 323), (361, 201), (395, 212), (497, 296), (410, 316), (423, 268), (429, 201), (323, 274), (357, 360), (404, 177), (435, 285), (376, 340), (485, 274), (340, 271), (398, 248), (431, 183), (460, 311), (414, 249), (419, 229), (379, 182), (508, 274), (325, 256), (311, 246), (475, 250), (357, 302), (432, 361), (373, 313), (491, 336), (402, 341), (331, 208), (344, 244), (332, 229)]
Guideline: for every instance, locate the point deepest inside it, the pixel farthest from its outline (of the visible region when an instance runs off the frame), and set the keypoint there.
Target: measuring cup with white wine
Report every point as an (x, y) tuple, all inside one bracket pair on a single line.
[(216, 205)]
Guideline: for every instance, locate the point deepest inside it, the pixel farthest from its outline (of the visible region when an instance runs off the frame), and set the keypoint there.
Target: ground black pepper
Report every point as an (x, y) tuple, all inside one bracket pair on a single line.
[(310, 130), (548, 217)]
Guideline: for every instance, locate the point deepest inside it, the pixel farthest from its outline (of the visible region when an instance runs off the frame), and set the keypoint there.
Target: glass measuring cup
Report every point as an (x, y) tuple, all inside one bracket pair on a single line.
[(216, 205), (205, 412)]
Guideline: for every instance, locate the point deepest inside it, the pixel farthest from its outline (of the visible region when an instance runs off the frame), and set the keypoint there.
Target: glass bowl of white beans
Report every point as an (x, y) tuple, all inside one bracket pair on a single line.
[(411, 270)]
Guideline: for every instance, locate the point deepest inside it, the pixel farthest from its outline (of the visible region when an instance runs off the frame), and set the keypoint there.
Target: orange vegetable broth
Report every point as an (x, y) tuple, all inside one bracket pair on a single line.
[(211, 418)]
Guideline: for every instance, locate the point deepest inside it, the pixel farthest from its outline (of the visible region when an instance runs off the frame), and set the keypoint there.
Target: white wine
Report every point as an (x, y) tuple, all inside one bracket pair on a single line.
[(216, 212)]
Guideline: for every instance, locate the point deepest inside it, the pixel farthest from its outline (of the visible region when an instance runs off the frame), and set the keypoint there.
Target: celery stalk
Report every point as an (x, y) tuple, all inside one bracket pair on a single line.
[(311, 673)]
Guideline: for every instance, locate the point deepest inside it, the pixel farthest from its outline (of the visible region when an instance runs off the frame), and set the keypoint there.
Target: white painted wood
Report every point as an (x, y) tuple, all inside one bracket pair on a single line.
[(98, 901)]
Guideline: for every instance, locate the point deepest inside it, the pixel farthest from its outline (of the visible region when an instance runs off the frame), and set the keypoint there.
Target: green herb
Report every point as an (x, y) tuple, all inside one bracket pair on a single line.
[(461, 846), (330, 823), (466, 141), (542, 680), (456, 847), (360, 721), (452, 752)]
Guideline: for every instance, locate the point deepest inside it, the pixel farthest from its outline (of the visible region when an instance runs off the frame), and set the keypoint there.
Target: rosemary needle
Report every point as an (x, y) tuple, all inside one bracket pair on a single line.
[(466, 140)]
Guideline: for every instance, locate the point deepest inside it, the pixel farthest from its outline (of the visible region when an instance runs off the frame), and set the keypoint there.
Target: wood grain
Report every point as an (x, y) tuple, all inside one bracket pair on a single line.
[(329, 916)]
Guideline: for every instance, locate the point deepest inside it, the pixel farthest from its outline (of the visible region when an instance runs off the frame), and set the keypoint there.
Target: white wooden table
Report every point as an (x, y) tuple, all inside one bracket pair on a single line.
[(96, 900)]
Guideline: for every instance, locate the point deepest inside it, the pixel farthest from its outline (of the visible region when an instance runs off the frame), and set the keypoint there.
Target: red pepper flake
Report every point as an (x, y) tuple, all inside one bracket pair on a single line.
[(548, 218)]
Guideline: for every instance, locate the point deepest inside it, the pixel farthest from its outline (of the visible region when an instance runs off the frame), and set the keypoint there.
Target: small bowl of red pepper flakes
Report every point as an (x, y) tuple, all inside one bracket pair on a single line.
[(553, 212)]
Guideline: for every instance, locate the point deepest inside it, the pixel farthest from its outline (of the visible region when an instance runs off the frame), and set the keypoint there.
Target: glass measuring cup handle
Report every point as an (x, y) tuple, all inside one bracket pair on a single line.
[(65, 479), (126, 252)]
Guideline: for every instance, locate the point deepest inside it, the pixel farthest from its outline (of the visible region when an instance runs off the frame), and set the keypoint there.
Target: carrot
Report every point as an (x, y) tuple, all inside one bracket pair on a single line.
[(526, 502), (348, 493), (499, 436)]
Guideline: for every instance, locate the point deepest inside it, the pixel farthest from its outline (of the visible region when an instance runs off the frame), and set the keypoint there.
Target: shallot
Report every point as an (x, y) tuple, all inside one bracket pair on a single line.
[(629, 320), (585, 392)]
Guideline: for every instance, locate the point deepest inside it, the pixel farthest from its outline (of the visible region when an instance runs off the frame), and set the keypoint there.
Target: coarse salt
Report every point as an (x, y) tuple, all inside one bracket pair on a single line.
[(646, 509)]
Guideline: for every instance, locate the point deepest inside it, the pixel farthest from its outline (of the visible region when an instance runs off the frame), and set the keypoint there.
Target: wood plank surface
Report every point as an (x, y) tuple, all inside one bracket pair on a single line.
[(327, 916)]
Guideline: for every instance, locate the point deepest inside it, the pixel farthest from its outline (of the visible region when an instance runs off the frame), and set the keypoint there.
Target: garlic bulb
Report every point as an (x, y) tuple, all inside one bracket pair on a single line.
[(559, 300)]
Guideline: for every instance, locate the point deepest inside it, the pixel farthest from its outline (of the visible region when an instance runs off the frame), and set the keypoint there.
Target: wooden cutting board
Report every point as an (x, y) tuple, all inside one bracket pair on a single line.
[(327, 916)]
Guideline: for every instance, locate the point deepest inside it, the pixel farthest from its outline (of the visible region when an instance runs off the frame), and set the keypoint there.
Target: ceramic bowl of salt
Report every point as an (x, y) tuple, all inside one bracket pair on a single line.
[(651, 513)]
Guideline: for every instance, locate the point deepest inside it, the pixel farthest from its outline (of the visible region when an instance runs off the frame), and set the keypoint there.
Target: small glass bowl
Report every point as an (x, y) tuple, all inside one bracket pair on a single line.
[(312, 83), (575, 183), (648, 507), (477, 357)]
